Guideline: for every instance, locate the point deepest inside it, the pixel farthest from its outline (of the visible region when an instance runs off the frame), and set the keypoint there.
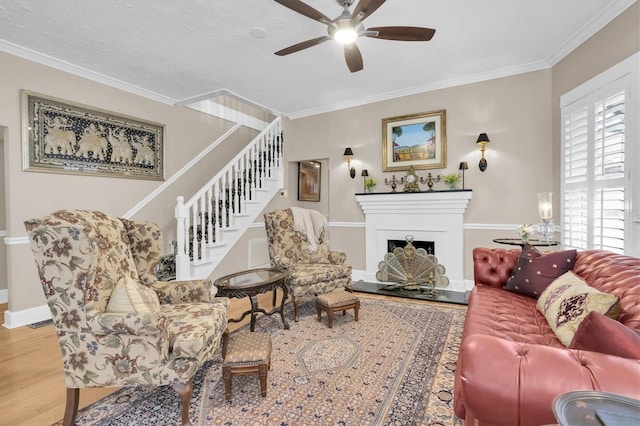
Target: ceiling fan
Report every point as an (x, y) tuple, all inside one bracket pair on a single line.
[(347, 27)]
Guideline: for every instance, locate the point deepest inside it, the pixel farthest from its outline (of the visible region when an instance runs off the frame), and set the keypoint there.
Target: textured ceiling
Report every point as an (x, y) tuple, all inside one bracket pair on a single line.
[(183, 50)]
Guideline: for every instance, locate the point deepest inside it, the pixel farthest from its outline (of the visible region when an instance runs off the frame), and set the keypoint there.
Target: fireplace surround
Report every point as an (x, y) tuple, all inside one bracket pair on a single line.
[(436, 216)]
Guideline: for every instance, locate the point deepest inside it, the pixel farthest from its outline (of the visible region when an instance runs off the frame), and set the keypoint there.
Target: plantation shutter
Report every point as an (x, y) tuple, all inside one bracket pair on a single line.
[(594, 195)]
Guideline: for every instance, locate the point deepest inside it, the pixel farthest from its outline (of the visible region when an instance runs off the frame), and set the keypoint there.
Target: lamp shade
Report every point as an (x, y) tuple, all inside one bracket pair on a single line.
[(463, 166), (348, 152), (365, 172), (483, 138)]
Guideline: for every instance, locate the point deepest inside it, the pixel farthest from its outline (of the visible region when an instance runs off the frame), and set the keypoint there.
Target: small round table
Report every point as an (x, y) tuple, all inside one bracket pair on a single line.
[(519, 242), (596, 408), (249, 284)]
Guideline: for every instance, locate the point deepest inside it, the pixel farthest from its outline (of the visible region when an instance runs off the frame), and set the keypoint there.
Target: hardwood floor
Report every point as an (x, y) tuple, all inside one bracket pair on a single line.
[(32, 391)]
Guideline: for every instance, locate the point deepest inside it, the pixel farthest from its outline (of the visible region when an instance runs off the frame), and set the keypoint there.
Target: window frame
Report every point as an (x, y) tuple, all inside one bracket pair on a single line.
[(625, 74)]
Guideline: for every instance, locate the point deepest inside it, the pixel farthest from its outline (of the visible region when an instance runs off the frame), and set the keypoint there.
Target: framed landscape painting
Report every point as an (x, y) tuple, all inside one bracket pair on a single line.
[(64, 137), (418, 140), (309, 180)]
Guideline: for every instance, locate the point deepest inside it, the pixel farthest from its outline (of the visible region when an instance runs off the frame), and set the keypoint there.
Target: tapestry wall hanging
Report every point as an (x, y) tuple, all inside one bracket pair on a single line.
[(64, 137)]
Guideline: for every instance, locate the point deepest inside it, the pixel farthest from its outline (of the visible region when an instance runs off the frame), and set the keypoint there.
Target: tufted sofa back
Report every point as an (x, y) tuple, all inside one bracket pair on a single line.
[(493, 267), (616, 274), (603, 270)]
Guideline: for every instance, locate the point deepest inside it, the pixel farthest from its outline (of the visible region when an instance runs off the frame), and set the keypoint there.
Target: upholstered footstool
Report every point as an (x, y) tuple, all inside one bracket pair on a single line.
[(249, 353), (337, 300)]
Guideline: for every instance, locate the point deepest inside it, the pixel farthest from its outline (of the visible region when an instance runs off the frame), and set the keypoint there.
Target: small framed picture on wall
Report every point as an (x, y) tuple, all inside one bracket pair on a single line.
[(309, 180)]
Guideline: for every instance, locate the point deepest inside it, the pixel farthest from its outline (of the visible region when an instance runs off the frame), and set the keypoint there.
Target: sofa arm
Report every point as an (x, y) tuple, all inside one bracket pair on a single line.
[(105, 323), (337, 257), (507, 383), (172, 292), (493, 267)]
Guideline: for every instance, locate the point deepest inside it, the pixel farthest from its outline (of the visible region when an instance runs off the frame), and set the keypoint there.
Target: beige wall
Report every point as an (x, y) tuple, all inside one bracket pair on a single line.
[(3, 251), (519, 113), (513, 111), (614, 43), (32, 194)]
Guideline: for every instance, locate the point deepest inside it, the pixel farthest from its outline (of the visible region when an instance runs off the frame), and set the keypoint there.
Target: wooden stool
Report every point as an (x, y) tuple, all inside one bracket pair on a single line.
[(249, 353), (337, 300)]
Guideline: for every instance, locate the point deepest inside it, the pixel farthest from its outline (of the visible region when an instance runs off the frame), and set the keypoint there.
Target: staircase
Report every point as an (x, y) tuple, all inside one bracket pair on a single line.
[(214, 219)]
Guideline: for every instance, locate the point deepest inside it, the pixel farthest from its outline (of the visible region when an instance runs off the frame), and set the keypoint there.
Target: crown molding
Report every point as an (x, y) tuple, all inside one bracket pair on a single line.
[(415, 90), (589, 29), (65, 66)]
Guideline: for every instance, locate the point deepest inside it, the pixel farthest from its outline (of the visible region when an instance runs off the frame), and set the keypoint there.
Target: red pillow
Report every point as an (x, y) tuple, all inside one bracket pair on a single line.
[(534, 271), (599, 333)]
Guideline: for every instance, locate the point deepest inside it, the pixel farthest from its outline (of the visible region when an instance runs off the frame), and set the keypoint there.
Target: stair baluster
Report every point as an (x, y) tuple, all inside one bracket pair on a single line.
[(255, 174)]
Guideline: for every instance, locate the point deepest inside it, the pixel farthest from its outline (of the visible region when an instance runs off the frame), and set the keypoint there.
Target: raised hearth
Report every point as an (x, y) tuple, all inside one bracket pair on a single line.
[(386, 289), (436, 216)]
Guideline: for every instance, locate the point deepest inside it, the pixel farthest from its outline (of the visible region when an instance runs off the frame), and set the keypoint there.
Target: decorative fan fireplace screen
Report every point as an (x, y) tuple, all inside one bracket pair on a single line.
[(412, 269)]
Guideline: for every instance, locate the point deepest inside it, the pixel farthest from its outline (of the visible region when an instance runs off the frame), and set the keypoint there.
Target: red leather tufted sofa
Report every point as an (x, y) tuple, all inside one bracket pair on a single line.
[(511, 365)]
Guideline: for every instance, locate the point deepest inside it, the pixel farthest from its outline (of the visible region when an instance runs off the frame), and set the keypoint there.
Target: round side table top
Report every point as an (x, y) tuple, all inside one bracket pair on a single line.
[(519, 242), (249, 279), (596, 408)]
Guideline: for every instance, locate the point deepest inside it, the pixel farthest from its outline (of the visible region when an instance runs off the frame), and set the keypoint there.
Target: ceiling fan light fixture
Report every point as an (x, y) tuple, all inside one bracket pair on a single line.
[(345, 35)]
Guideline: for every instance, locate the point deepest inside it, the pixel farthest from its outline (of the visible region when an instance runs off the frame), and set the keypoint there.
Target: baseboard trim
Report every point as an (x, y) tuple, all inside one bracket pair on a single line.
[(26, 316), (4, 296)]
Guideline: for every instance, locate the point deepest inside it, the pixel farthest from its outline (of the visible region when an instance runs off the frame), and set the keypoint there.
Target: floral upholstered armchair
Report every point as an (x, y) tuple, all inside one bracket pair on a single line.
[(116, 324), (310, 272)]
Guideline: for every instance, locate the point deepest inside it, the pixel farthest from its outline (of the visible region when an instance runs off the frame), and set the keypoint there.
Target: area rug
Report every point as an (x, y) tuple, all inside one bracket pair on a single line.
[(395, 366)]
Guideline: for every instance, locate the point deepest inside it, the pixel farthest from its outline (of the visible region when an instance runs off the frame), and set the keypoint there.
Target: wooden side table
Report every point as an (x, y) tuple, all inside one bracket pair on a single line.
[(249, 284)]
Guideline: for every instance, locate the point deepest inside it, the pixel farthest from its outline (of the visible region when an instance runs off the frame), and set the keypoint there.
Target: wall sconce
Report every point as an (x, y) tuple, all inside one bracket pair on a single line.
[(483, 140), (463, 166), (348, 153)]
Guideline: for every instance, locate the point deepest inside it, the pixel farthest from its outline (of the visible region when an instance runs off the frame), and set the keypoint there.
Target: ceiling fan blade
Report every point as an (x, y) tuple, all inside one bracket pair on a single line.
[(367, 7), (353, 57), (302, 45), (402, 33), (304, 9)]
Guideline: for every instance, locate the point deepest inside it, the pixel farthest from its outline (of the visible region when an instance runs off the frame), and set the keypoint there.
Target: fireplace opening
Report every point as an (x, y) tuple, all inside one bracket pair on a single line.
[(429, 246)]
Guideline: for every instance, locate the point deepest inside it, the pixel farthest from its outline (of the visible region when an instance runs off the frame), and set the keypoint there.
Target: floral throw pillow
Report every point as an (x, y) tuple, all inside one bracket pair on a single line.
[(130, 296), (534, 270), (568, 300)]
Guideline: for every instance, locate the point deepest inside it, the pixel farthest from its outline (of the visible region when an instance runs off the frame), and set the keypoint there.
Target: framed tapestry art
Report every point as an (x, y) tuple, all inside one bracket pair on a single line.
[(64, 137), (417, 140), (309, 180)]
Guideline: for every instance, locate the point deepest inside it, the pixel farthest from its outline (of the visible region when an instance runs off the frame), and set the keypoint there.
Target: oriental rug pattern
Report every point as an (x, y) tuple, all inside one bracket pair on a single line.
[(395, 366)]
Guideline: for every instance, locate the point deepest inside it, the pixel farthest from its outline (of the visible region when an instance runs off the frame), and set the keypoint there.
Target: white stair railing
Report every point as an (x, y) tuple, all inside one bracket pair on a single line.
[(202, 220)]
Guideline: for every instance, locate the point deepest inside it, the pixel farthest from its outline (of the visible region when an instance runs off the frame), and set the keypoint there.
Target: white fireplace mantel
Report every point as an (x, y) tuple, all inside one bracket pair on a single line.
[(436, 216)]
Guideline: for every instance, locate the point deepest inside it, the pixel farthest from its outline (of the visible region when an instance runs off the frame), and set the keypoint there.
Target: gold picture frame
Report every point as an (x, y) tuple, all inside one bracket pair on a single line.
[(418, 140), (59, 136), (309, 180)]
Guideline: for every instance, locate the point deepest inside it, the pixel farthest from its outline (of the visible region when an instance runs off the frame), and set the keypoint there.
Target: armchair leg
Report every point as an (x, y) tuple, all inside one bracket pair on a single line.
[(296, 311), (185, 390), (71, 408)]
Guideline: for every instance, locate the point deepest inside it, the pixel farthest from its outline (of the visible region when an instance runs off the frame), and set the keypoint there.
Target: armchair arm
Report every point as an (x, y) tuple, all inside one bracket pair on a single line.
[(172, 292), (337, 257), (507, 383), (124, 323)]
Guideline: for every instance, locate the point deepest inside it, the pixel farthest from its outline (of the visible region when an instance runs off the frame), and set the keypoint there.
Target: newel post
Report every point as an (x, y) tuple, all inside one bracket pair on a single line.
[(182, 258)]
